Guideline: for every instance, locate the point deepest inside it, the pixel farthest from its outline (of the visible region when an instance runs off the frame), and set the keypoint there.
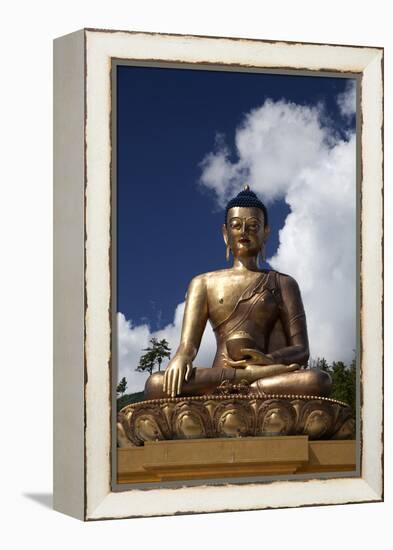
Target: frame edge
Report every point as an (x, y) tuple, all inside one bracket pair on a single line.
[(69, 276)]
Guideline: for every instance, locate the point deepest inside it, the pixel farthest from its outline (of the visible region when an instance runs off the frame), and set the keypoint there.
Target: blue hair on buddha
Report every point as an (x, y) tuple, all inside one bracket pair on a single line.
[(247, 199)]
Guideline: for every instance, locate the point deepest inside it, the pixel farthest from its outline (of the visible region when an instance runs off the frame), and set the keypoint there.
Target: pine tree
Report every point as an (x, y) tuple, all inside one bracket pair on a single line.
[(154, 355), (122, 386)]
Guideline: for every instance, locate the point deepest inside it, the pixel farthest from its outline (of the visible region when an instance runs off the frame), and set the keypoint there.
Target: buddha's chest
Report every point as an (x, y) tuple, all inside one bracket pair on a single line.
[(227, 294)]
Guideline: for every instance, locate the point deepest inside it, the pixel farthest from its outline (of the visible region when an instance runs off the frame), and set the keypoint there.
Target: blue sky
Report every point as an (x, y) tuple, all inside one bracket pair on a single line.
[(169, 226), (189, 139)]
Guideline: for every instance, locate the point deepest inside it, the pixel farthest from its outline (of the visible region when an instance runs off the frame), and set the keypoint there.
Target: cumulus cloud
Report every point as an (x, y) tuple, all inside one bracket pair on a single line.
[(347, 99), (267, 152), (132, 339), (289, 152)]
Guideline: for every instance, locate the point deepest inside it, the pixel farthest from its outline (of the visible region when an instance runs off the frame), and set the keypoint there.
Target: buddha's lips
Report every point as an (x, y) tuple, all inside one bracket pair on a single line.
[(244, 240)]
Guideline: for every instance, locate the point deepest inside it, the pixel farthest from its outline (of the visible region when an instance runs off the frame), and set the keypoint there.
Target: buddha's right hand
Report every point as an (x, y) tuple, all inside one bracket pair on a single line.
[(178, 371)]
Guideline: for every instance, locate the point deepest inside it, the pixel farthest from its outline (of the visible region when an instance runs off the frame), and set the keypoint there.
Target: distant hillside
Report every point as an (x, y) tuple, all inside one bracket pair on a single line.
[(129, 398)]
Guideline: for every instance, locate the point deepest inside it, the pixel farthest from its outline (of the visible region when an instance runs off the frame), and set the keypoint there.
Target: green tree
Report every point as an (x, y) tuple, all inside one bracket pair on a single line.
[(122, 386), (155, 353), (340, 380), (319, 363), (343, 379), (344, 382), (127, 399)]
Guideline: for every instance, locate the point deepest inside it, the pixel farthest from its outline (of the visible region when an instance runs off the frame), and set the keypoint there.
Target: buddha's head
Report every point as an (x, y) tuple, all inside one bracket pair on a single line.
[(246, 226)]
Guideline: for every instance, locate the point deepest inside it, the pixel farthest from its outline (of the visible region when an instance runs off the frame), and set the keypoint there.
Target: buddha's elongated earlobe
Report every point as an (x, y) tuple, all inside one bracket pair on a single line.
[(262, 254), (260, 259), (228, 253)]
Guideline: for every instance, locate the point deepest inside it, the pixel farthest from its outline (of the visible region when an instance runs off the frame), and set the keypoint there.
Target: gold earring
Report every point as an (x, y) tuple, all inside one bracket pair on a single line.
[(228, 253)]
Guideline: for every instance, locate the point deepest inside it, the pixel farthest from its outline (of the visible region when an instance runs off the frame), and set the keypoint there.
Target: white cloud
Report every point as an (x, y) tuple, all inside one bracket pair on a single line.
[(268, 154), (132, 339), (347, 100), (288, 151)]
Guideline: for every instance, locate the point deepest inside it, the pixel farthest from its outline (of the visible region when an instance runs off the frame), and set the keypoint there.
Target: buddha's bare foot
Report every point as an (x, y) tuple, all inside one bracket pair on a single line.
[(301, 382)]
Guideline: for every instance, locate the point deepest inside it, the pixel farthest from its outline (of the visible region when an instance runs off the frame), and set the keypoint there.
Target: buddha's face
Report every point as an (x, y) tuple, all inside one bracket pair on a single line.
[(245, 231)]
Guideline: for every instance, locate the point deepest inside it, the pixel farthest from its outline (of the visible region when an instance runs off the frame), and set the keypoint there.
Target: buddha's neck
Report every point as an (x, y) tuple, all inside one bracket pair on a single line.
[(248, 264)]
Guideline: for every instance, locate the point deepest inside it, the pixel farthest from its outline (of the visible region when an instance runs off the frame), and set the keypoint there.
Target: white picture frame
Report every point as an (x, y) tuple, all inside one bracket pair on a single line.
[(83, 416)]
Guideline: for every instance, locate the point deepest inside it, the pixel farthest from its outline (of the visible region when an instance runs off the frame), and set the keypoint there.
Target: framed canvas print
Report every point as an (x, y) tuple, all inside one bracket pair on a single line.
[(218, 274)]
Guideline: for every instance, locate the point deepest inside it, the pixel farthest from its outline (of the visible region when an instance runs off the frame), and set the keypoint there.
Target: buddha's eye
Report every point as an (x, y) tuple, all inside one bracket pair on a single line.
[(235, 225)]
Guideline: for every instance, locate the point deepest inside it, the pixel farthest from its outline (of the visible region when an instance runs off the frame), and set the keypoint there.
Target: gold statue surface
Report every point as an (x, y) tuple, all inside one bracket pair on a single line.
[(257, 316)]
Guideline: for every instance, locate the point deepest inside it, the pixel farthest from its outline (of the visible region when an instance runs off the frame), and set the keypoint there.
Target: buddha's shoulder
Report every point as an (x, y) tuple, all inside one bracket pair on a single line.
[(223, 274), (213, 278), (285, 280), (281, 275), (204, 278)]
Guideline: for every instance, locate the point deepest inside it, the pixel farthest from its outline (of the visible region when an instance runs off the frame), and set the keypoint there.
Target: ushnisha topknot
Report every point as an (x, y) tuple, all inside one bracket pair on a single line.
[(247, 199)]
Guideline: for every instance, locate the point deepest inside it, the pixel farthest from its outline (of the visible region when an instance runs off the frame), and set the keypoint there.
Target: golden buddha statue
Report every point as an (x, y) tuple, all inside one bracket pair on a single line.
[(257, 316)]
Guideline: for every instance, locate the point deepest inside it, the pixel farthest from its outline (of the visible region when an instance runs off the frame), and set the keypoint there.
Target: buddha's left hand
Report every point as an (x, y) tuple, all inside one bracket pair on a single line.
[(252, 357)]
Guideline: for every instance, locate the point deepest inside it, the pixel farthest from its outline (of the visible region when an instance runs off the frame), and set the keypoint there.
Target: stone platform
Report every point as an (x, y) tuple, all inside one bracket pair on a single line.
[(234, 415), (233, 458)]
